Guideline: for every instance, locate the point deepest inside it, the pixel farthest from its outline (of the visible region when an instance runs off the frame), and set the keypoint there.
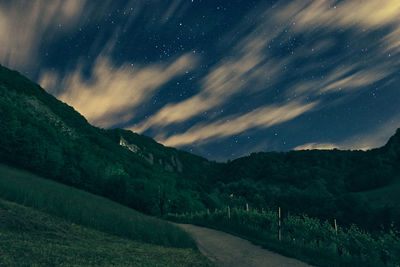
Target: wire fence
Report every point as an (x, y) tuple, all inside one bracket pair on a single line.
[(326, 238)]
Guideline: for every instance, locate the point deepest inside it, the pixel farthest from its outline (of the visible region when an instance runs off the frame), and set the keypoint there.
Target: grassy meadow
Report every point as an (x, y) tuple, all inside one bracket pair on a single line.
[(45, 223), (87, 209), (33, 238)]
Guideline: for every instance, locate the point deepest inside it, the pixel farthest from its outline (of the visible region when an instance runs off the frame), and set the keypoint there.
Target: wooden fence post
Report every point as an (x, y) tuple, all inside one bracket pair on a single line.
[(279, 223), (229, 212), (335, 225), (339, 248)]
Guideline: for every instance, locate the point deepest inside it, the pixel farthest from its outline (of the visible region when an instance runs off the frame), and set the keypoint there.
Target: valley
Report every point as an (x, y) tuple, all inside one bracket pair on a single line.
[(84, 169)]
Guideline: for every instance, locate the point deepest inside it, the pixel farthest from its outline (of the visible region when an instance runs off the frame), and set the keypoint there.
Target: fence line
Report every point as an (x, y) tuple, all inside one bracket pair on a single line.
[(261, 211)]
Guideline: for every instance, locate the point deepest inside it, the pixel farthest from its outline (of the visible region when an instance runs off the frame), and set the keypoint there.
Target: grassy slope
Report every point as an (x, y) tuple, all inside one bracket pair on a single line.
[(87, 209), (30, 237)]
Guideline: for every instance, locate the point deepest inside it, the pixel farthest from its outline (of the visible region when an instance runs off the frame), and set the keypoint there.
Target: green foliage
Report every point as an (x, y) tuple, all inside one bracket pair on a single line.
[(305, 238), (32, 238)]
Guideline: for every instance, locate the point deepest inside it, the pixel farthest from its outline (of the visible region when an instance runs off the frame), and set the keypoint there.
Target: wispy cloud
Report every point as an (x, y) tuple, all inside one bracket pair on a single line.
[(311, 16), (112, 93), (245, 63), (363, 14), (24, 25), (260, 118), (223, 81), (249, 61), (342, 79)]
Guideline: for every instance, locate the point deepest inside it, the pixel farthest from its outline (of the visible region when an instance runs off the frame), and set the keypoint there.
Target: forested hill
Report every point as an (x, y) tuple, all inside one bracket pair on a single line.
[(43, 135), (327, 184), (48, 137)]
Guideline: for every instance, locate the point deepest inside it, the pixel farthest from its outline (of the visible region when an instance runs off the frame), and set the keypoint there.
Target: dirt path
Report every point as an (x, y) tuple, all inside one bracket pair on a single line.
[(230, 251)]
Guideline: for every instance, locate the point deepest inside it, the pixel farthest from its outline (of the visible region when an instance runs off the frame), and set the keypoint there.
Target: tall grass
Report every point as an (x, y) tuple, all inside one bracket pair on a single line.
[(89, 210), (29, 237), (305, 238)]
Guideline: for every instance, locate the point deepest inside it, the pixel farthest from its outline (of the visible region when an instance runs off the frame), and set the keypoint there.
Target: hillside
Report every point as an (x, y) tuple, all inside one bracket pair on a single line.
[(43, 135), (30, 238), (48, 137), (46, 223), (86, 209)]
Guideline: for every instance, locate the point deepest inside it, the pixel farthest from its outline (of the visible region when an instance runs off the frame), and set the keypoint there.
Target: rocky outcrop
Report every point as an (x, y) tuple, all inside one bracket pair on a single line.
[(174, 164), (132, 147)]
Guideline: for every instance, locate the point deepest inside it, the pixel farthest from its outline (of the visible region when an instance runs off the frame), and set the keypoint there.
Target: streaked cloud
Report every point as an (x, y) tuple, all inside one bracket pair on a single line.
[(112, 93), (370, 14), (225, 80), (358, 79), (342, 79), (260, 118), (25, 25), (363, 15), (249, 60)]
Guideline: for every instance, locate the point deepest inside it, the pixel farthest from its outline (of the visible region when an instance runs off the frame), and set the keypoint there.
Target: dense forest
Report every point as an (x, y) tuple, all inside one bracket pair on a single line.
[(48, 137)]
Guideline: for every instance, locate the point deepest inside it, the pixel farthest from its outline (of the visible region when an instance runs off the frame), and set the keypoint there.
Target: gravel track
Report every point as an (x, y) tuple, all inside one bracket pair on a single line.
[(226, 250)]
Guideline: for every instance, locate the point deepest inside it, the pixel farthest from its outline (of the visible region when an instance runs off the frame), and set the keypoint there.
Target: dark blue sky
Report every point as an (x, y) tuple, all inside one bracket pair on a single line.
[(218, 78)]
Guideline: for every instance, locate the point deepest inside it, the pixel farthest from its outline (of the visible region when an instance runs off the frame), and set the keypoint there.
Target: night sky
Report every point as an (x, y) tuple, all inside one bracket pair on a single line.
[(221, 79)]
